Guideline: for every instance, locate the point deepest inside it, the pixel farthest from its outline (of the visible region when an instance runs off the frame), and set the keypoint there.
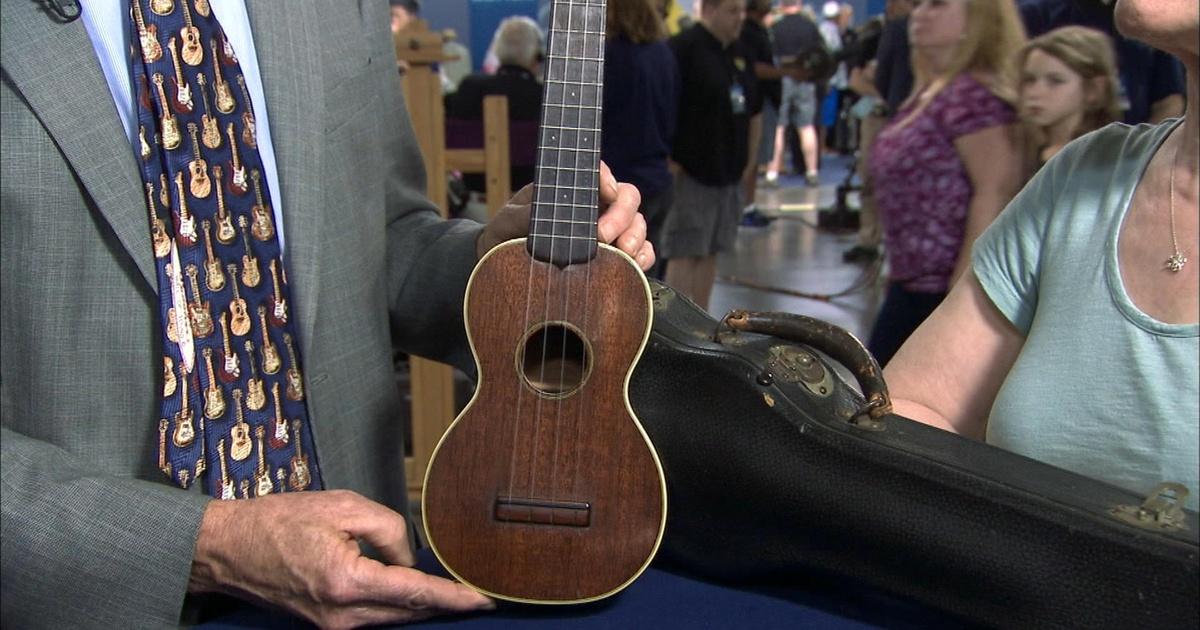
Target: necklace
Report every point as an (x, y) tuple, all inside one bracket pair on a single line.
[(1176, 262)]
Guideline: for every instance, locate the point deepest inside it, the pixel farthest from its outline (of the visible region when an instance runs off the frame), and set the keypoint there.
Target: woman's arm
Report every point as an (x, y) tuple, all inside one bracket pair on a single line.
[(993, 164), (948, 372)]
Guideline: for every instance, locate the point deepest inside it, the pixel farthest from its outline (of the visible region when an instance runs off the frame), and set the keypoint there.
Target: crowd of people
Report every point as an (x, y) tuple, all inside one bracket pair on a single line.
[(1043, 286)]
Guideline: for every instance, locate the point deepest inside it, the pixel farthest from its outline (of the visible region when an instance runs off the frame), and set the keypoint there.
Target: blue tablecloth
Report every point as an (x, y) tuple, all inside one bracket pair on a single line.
[(662, 599)]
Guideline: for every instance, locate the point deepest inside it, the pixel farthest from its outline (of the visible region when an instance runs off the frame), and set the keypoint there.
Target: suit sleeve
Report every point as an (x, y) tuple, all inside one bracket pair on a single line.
[(429, 259), (139, 536)]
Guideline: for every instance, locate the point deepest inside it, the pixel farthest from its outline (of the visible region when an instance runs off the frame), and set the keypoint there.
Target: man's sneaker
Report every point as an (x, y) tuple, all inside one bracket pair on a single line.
[(772, 178), (753, 218), (812, 179)]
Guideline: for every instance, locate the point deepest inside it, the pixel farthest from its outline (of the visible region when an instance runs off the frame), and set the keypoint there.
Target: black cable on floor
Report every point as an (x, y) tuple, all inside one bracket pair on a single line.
[(868, 276)]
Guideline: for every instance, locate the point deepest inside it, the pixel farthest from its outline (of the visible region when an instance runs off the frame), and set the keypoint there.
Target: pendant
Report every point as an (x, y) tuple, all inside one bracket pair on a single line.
[(1175, 263)]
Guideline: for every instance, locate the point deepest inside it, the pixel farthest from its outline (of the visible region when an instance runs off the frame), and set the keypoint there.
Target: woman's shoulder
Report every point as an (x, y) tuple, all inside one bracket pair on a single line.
[(974, 87), (1114, 143)]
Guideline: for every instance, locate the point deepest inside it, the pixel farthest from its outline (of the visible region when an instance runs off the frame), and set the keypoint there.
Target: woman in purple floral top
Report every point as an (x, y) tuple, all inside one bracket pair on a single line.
[(947, 163)]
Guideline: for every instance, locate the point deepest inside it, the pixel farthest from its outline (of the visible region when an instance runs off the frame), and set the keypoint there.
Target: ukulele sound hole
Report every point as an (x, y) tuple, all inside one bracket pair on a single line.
[(555, 360)]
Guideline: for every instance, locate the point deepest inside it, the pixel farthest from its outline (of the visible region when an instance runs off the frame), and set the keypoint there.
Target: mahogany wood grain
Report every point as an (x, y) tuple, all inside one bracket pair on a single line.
[(584, 448)]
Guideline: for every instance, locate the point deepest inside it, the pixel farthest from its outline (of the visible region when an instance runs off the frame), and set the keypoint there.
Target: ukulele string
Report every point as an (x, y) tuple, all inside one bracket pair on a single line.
[(557, 148), (593, 164), (512, 460), (570, 229)]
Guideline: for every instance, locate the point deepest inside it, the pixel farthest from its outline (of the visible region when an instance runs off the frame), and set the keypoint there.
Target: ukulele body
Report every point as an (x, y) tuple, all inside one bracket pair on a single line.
[(545, 489)]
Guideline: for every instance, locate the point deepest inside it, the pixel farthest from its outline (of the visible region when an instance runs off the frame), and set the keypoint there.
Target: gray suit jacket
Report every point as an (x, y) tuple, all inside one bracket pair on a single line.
[(92, 535)]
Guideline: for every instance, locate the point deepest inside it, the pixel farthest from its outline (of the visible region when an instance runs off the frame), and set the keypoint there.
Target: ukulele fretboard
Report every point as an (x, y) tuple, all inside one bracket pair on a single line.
[(566, 202)]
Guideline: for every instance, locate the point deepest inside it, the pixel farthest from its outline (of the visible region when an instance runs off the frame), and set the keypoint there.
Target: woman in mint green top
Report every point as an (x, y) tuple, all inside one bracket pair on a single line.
[(1076, 341)]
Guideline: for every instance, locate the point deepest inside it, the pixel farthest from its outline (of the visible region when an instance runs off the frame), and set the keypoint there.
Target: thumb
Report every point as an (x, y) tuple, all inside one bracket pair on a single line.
[(380, 527)]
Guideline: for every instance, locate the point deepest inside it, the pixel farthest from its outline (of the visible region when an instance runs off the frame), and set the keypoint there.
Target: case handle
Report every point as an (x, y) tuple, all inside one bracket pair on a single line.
[(836, 342)]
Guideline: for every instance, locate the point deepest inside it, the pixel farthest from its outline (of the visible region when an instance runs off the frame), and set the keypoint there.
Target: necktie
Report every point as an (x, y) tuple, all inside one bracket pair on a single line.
[(233, 407)]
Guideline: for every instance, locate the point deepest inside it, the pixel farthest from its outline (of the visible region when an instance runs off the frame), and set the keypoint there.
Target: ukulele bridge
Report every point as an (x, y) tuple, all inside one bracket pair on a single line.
[(543, 512)]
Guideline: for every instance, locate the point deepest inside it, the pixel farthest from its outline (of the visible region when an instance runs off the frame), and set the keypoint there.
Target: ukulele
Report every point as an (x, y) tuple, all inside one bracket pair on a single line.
[(181, 95), (300, 476), (200, 186), (147, 37), (240, 446), (545, 489), (158, 229), (191, 49), (224, 95), (239, 317)]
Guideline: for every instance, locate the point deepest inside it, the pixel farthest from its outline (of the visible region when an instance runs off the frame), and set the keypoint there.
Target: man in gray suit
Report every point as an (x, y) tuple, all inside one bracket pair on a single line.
[(92, 533)]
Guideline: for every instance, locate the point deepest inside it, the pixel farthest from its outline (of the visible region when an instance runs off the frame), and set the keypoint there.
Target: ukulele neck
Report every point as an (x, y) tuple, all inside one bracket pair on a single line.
[(562, 228)]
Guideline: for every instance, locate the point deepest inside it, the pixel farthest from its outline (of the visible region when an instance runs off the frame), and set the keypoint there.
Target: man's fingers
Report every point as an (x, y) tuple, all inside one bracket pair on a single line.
[(645, 257), (631, 241), (620, 214), (414, 590), (382, 528), (523, 197), (608, 185)]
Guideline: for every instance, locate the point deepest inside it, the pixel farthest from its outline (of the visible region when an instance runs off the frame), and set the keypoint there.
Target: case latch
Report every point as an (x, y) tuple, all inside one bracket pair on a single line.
[(1162, 509)]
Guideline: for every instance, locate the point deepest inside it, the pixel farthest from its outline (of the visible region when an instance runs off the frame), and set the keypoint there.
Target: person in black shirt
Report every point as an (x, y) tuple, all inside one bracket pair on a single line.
[(518, 47), (755, 40), (710, 148), (795, 35)]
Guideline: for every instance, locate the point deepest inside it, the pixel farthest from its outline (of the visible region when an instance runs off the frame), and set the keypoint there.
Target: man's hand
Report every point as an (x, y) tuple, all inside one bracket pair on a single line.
[(620, 222), (300, 552)]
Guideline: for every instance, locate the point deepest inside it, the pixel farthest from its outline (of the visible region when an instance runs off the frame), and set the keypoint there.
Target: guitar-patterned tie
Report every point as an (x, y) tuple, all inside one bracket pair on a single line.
[(233, 409)]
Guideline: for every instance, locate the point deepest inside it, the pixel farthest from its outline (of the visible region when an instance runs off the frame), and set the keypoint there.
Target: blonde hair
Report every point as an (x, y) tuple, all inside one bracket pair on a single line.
[(994, 33), (1088, 53)]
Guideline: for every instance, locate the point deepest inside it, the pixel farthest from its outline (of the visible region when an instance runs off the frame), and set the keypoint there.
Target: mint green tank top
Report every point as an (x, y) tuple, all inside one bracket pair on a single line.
[(1099, 388)]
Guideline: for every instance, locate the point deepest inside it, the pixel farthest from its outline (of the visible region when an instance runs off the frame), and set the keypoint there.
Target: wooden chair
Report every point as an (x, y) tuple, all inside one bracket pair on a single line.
[(489, 155), (431, 383)]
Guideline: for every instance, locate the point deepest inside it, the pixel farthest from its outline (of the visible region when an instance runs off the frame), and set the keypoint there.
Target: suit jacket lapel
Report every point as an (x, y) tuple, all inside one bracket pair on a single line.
[(288, 51), (54, 67)]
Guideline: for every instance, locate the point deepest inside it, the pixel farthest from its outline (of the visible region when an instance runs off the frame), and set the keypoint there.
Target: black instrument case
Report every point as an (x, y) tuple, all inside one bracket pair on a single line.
[(777, 468)]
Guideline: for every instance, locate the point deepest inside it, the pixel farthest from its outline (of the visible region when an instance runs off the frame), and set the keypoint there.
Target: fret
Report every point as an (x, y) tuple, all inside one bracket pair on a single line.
[(563, 221), (573, 118), (565, 196), (570, 237), (566, 199)]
